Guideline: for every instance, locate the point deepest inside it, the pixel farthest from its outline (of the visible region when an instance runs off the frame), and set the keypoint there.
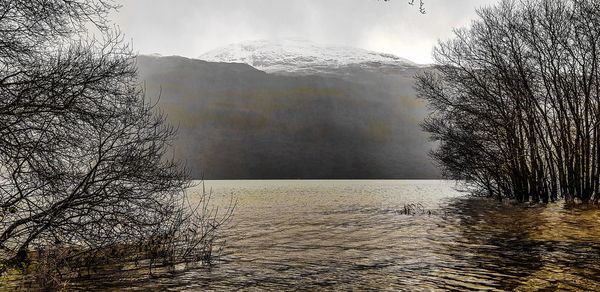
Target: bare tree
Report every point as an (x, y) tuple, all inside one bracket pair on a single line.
[(83, 161), (515, 101)]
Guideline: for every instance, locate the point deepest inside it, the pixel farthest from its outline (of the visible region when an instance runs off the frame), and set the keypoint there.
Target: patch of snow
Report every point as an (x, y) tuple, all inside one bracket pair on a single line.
[(299, 56)]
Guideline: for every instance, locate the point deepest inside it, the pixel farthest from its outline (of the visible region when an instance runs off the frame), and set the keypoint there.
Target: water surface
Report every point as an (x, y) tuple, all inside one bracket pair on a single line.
[(354, 235)]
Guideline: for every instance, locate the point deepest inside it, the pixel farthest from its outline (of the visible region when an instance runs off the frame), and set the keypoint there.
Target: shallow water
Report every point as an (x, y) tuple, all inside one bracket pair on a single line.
[(353, 235)]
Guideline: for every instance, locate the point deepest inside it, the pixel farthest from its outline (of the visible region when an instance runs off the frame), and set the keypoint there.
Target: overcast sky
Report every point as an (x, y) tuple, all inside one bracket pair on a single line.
[(192, 27)]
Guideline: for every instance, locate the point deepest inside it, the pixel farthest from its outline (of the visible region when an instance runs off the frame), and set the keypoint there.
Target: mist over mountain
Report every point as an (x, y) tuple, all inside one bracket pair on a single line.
[(238, 122), (301, 57)]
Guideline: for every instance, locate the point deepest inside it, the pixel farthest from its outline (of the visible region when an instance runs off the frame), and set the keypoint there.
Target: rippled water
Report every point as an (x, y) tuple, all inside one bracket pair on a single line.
[(352, 235)]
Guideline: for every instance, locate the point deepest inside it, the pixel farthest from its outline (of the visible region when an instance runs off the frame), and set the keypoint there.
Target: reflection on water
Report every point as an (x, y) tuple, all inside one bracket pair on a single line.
[(351, 235)]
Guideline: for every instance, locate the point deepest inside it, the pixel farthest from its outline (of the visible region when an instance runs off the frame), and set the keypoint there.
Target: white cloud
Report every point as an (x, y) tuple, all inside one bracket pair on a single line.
[(191, 27)]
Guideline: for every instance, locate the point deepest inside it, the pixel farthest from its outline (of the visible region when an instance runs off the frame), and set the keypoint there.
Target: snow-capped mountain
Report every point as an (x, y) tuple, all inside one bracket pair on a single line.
[(303, 57)]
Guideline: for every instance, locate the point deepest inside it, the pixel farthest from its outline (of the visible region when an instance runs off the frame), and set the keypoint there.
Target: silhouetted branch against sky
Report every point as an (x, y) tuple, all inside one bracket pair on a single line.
[(421, 5), (506, 123), (83, 154)]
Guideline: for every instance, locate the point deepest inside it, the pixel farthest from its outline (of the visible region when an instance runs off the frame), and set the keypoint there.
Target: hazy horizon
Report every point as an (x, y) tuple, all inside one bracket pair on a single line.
[(191, 28)]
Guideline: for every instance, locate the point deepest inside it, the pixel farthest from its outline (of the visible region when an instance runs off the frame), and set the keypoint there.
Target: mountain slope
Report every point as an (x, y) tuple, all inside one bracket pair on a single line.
[(303, 57), (237, 122)]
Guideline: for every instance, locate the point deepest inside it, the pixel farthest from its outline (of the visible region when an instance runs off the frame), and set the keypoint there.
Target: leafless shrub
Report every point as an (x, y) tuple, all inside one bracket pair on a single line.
[(191, 237), (413, 209), (48, 269)]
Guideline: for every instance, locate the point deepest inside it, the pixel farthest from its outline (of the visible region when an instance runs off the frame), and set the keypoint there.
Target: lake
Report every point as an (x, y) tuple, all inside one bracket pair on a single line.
[(355, 235)]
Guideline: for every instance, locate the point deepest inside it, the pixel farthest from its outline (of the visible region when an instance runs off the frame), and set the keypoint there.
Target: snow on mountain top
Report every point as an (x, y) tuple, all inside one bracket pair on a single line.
[(298, 56)]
